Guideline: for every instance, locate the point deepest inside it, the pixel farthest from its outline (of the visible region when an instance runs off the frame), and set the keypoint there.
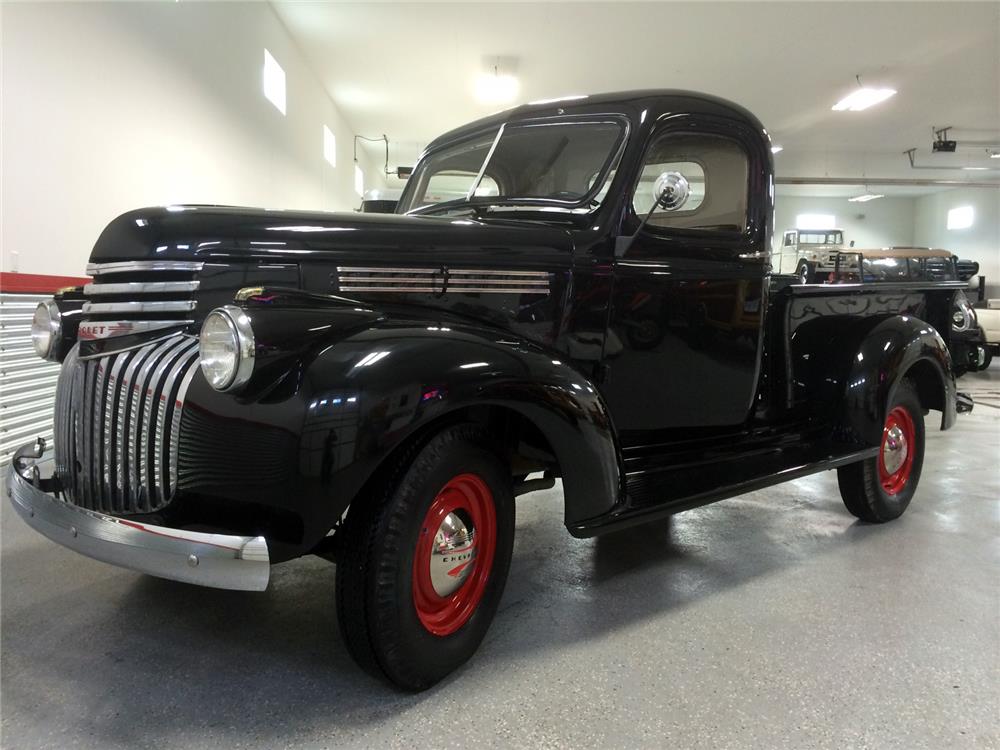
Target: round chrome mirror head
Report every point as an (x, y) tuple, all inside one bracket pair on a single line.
[(671, 191)]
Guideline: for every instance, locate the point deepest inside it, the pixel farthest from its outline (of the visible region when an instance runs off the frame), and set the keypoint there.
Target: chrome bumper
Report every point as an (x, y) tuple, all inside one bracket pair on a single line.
[(216, 560)]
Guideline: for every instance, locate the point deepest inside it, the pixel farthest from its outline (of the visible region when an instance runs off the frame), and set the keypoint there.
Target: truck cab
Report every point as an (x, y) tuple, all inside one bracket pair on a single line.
[(575, 290), (809, 254)]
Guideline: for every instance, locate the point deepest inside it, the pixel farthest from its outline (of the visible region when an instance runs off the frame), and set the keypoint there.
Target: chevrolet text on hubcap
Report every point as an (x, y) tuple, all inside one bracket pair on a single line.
[(896, 456), (454, 554)]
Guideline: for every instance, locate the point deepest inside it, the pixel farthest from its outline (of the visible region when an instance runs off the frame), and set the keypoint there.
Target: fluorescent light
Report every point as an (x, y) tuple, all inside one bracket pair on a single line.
[(863, 99), (496, 88), (359, 179), (777, 149), (975, 169), (865, 198), (329, 146), (815, 221), (274, 82), (995, 155), (960, 218)]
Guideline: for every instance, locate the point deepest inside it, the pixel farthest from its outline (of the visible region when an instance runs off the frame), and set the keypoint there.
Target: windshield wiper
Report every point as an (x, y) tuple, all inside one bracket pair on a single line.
[(434, 208)]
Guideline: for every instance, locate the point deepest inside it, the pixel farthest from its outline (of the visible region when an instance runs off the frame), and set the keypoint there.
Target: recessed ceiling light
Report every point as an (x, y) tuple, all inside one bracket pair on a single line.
[(496, 88), (863, 98), (776, 149), (865, 198)]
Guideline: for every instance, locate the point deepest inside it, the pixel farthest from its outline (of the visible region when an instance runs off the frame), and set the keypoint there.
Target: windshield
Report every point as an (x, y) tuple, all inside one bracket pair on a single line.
[(821, 238), (554, 163)]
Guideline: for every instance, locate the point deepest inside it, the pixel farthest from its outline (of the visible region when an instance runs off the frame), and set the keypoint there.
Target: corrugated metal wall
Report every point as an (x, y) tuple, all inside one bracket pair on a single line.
[(27, 383)]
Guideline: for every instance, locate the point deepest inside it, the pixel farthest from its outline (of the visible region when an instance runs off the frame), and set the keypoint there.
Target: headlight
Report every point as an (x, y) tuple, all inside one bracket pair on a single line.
[(46, 329), (226, 348), (962, 316)]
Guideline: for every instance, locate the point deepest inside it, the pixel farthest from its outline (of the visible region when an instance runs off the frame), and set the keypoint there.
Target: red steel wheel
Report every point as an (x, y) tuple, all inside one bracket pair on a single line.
[(454, 554), (895, 459)]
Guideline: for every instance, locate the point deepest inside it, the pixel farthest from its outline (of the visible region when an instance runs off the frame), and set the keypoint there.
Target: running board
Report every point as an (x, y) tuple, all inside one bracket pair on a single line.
[(632, 513)]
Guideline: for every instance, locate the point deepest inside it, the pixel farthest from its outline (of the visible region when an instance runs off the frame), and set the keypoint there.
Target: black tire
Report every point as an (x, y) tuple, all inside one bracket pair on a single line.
[(805, 273), (869, 491), (376, 582), (987, 359)]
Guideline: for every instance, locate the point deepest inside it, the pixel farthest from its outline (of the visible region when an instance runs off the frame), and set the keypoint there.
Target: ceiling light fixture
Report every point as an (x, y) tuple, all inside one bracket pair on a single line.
[(862, 99), (995, 155), (494, 87), (975, 169), (865, 198), (777, 149)]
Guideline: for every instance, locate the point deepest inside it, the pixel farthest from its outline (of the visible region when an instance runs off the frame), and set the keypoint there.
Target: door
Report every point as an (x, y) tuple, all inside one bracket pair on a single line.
[(788, 255), (683, 345)]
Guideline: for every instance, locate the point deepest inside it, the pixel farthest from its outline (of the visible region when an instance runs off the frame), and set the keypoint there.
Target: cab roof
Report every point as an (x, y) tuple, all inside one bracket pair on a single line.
[(641, 106)]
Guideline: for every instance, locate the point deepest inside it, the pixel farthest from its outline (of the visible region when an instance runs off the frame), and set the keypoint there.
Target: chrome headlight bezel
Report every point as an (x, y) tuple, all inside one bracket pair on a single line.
[(963, 317), (46, 329), (236, 324)]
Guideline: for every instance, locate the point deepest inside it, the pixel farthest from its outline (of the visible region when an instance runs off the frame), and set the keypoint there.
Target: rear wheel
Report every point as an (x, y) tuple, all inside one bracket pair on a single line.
[(423, 564), (879, 489)]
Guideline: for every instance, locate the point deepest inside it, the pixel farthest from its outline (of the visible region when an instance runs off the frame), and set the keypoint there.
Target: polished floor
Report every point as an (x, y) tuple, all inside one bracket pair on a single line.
[(772, 620)]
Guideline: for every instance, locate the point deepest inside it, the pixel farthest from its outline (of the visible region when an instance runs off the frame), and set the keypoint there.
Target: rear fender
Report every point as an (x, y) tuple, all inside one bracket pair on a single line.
[(898, 347)]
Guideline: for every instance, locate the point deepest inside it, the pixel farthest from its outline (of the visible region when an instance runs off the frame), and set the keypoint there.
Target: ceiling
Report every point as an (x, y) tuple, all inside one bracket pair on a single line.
[(408, 69)]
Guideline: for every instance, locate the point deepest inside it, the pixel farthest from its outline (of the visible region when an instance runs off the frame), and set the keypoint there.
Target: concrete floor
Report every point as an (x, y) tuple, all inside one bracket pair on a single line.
[(770, 620)]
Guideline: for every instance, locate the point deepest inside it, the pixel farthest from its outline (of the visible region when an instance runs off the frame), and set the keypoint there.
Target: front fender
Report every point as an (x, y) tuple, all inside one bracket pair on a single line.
[(353, 396), (898, 347)]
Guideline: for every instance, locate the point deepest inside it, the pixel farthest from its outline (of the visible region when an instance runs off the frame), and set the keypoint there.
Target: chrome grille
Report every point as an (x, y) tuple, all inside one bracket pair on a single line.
[(118, 425), (129, 297)]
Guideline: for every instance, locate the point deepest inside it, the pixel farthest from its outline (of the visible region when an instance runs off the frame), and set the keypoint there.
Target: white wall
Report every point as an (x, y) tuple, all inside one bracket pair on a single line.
[(886, 222), (113, 106), (980, 242)]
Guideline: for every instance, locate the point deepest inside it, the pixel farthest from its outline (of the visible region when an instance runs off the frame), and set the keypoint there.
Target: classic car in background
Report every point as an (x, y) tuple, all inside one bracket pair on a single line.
[(989, 322), (809, 254)]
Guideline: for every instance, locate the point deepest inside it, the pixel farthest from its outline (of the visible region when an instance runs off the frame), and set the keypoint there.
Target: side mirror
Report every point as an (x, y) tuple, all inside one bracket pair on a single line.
[(671, 191)]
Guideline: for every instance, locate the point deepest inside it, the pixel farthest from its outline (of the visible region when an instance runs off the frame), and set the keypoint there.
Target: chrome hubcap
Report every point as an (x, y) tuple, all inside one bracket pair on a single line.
[(453, 555), (894, 449)]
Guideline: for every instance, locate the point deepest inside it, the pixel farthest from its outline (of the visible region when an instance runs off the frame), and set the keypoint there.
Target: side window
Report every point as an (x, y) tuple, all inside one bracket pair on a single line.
[(716, 169), (789, 239)]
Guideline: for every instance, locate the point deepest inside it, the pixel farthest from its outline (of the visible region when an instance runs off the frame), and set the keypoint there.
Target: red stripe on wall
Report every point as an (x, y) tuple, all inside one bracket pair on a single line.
[(37, 283)]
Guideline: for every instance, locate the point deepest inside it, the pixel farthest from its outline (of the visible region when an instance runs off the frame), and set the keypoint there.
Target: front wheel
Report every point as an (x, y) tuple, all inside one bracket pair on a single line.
[(423, 563), (879, 489)]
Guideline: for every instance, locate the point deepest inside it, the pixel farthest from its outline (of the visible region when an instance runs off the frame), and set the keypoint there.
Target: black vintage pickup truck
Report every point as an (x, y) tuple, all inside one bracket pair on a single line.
[(575, 289)]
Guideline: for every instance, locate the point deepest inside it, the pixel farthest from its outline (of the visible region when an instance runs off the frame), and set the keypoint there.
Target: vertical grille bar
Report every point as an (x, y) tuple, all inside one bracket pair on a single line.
[(175, 427), (141, 436), (164, 417), (125, 416), (155, 403)]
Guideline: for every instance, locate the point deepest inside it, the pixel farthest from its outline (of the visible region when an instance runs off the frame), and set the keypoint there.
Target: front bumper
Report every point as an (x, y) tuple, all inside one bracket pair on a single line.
[(216, 560)]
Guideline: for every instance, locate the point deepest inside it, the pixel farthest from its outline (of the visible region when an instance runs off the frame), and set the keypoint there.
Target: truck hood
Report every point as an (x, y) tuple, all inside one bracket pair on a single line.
[(227, 233)]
